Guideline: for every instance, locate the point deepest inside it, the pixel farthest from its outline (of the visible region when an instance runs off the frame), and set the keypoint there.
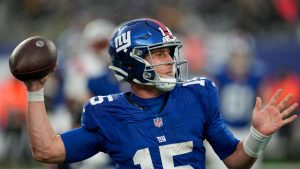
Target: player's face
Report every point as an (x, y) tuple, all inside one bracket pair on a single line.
[(159, 56)]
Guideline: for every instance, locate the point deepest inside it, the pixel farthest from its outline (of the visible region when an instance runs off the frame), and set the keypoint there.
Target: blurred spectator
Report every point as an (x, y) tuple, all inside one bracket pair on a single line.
[(13, 100), (87, 75), (13, 107), (238, 83), (86, 69), (96, 37), (194, 53), (288, 10)]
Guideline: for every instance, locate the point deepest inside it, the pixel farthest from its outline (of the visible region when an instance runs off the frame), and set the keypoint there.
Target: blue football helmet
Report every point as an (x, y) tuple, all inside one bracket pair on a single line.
[(129, 45)]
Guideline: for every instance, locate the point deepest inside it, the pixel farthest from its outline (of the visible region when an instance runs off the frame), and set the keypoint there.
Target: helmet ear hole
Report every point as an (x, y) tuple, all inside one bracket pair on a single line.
[(129, 66)]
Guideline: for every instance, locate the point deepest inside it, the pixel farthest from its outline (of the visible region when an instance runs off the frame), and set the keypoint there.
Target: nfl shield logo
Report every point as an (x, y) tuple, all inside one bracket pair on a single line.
[(158, 122)]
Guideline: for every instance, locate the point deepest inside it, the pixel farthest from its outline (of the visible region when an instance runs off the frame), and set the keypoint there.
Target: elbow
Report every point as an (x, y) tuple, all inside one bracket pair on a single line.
[(41, 156), (53, 153), (45, 156)]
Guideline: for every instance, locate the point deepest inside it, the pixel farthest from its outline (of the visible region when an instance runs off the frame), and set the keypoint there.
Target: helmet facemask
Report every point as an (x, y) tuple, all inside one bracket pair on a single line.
[(161, 82)]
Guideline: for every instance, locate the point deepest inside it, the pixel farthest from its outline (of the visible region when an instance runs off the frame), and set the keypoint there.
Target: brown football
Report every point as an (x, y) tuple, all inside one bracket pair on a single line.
[(33, 58)]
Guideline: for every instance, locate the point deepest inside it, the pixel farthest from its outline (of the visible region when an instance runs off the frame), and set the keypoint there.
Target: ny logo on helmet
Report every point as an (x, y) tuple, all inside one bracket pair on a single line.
[(123, 41)]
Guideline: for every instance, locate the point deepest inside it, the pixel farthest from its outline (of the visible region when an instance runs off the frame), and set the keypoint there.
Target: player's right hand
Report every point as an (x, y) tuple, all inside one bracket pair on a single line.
[(35, 85)]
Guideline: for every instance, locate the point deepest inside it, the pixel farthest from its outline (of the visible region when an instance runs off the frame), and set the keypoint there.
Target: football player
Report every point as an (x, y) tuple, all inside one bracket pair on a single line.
[(162, 122), (239, 78)]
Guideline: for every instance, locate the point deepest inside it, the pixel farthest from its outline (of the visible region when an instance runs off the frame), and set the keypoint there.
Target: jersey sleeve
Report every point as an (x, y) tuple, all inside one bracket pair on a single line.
[(86, 141), (81, 144), (217, 134)]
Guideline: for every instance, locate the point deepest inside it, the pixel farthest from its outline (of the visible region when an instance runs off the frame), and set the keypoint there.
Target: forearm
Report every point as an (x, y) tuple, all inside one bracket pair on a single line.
[(44, 141), (239, 159), (46, 145), (40, 131), (248, 150)]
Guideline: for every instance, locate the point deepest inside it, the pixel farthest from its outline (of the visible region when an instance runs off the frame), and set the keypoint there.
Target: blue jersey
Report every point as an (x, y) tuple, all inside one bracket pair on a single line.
[(162, 139), (231, 92)]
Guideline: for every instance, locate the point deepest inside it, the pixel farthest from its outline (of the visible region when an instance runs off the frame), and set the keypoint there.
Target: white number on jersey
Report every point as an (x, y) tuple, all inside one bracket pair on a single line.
[(167, 152), (99, 99)]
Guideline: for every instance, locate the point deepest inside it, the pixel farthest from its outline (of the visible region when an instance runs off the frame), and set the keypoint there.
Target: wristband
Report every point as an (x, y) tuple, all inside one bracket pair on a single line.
[(36, 95), (255, 142)]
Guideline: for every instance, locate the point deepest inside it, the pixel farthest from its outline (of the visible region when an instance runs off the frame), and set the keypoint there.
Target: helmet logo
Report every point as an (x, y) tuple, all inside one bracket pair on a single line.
[(123, 41), (166, 37)]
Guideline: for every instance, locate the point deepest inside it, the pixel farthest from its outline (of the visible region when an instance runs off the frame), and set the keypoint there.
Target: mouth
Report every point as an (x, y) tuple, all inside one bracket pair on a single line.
[(168, 74)]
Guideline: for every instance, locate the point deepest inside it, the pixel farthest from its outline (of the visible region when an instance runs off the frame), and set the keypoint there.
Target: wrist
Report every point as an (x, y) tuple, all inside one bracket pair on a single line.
[(34, 96), (34, 85), (255, 143)]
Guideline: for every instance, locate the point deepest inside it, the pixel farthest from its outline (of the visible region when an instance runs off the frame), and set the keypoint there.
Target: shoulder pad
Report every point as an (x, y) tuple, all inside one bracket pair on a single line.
[(87, 118), (94, 109), (202, 81)]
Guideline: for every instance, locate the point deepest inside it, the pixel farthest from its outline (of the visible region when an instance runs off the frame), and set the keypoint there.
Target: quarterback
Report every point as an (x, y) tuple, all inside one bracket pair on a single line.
[(162, 122)]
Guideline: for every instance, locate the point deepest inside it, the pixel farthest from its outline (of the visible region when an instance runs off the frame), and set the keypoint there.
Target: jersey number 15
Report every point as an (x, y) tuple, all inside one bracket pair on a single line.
[(143, 158)]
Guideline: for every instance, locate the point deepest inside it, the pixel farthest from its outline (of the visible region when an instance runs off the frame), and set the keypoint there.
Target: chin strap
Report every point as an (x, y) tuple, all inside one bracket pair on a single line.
[(166, 84)]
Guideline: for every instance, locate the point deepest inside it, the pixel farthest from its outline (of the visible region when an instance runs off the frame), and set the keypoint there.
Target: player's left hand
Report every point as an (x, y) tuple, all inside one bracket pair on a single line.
[(274, 115)]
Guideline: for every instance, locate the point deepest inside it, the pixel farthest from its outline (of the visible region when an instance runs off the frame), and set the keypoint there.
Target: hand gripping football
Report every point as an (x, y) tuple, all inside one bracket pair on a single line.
[(34, 58)]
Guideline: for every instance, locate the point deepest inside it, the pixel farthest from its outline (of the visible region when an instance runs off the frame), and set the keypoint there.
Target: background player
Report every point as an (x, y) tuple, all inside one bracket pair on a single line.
[(159, 124), (239, 78)]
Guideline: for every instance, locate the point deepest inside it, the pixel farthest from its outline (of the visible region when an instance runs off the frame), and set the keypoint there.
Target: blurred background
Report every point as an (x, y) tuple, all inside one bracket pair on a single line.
[(249, 47)]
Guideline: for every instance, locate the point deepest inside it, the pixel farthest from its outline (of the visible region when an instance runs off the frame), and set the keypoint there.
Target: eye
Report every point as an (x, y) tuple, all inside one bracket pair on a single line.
[(157, 54), (160, 54), (168, 51)]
